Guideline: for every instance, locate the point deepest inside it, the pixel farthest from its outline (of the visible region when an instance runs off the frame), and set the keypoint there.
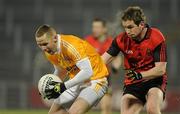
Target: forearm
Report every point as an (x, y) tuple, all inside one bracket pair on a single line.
[(159, 56), (117, 62), (152, 73), (107, 58), (78, 79), (156, 71), (84, 74)]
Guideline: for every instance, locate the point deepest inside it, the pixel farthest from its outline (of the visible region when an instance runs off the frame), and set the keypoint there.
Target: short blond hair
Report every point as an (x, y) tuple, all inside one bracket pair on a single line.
[(45, 29)]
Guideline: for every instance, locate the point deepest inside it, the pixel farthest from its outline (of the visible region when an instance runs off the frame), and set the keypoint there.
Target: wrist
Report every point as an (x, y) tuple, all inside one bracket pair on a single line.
[(63, 87), (140, 75)]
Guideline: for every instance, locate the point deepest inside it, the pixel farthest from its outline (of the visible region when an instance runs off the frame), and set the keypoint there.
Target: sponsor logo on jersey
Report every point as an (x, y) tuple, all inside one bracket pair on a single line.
[(148, 52), (129, 52)]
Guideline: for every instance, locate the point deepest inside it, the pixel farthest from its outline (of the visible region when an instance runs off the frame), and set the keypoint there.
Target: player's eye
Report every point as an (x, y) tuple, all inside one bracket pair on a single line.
[(129, 27), (43, 44)]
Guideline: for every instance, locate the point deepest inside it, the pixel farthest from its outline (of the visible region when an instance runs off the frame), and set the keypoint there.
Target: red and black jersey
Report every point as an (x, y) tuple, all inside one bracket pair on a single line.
[(101, 47), (140, 55)]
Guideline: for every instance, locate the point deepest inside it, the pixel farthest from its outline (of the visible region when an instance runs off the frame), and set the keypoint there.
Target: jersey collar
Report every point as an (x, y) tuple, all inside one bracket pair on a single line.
[(147, 34), (58, 43)]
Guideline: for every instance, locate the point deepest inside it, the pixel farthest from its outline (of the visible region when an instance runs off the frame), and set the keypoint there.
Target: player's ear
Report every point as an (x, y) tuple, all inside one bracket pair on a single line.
[(55, 38), (142, 24), (105, 29)]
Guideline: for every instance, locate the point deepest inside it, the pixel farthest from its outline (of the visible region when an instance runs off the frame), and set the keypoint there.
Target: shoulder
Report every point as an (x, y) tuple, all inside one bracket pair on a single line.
[(156, 35), (89, 38), (73, 45), (71, 39), (67, 37), (108, 40), (121, 37)]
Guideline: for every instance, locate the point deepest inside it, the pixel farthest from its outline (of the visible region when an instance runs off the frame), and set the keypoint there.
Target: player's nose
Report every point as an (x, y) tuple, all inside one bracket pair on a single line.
[(44, 48)]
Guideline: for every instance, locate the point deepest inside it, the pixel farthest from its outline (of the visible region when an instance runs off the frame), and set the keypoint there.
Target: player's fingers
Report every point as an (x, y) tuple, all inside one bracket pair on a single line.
[(48, 96), (132, 79), (129, 78), (129, 71), (129, 74), (48, 91), (51, 83)]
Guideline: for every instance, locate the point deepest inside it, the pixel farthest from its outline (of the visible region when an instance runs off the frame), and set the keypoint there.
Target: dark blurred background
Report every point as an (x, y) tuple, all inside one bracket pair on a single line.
[(22, 63)]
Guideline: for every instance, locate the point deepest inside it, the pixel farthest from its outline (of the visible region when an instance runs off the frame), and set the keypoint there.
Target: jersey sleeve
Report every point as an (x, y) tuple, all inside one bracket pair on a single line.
[(157, 38), (114, 48), (160, 54)]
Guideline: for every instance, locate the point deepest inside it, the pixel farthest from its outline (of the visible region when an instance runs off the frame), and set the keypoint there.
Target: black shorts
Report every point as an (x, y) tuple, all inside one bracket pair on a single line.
[(141, 89)]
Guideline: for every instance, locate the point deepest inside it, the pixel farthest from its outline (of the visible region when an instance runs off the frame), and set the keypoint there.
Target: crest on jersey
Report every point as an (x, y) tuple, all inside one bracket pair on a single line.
[(148, 52)]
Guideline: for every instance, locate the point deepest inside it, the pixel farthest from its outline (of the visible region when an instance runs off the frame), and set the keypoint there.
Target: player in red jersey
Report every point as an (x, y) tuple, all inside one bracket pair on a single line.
[(99, 38), (144, 51), (101, 41)]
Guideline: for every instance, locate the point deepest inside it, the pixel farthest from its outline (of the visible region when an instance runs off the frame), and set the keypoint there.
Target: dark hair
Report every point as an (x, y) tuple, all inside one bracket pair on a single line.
[(100, 20), (44, 29), (134, 13)]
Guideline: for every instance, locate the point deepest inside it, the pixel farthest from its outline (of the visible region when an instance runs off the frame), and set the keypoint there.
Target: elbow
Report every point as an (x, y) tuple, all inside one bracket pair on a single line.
[(161, 68), (88, 73), (161, 71)]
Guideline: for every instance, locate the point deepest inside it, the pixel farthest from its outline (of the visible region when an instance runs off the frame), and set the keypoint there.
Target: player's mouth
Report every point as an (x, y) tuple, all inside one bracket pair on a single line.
[(50, 51), (131, 35)]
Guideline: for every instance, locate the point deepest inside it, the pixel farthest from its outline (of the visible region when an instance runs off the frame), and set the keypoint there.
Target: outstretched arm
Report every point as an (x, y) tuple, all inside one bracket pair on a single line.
[(158, 70), (112, 52), (107, 58)]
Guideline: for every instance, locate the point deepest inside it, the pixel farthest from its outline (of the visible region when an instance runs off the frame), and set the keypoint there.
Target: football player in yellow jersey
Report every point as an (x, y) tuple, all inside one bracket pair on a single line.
[(84, 66)]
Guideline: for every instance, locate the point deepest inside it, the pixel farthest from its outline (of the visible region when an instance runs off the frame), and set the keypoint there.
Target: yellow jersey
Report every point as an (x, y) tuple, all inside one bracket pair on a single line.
[(74, 49)]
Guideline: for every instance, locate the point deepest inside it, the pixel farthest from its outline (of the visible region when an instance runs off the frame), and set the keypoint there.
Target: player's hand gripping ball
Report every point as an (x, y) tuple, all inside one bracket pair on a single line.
[(50, 86)]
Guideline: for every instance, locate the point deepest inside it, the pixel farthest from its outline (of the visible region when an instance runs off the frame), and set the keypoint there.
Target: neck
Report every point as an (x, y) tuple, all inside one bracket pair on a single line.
[(142, 34), (102, 38), (58, 43)]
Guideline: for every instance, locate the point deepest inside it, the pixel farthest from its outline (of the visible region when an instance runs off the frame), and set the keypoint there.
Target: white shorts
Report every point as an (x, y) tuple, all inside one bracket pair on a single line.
[(91, 92)]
